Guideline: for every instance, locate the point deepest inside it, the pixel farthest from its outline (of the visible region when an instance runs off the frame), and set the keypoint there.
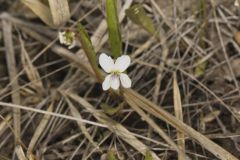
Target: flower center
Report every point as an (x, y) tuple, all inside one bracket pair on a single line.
[(69, 37), (116, 72)]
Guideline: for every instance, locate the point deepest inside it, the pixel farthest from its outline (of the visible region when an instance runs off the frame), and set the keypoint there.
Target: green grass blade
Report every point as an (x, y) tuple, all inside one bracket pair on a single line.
[(113, 28), (138, 16), (89, 50)]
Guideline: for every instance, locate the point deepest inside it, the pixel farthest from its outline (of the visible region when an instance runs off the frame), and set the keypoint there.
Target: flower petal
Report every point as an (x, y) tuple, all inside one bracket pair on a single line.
[(107, 82), (61, 37), (125, 80), (106, 62), (72, 45), (122, 63), (115, 83)]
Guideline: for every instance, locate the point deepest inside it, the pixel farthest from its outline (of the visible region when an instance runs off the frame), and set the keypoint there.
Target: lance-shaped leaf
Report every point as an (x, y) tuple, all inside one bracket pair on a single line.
[(138, 16), (113, 28), (89, 50)]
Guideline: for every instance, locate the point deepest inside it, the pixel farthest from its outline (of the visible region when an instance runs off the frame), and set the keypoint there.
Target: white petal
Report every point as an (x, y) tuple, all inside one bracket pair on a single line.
[(122, 63), (72, 45), (125, 80), (61, 37), (107, 82), (106, 62), (115, 83)]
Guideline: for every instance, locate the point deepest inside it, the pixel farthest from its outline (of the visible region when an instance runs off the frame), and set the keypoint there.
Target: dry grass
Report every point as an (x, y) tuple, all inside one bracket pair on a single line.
[(184, 102)]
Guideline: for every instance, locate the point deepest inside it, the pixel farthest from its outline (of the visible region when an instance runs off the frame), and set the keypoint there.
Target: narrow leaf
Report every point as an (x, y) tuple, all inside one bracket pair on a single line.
[(138, 16), (89, 50), (113, 28)]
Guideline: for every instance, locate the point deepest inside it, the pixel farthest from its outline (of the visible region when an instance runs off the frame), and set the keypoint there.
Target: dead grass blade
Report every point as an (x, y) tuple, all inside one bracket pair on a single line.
[(41, 10), (113, 126), (210, 116), (81, 125), (60, 11), (158, 112), (232, 111), (156, 128), (5, 123), (237, 37), (179, 115), (20, 153), (40, 129), (4, 104), (12, 71), (30, 70), (68, 55)]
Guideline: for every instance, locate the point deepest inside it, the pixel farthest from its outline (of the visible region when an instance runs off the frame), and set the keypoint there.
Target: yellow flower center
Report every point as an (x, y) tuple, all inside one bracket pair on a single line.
[(116, 72)]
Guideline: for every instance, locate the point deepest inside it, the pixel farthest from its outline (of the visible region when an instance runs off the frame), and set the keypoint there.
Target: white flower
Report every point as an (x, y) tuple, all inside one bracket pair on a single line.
[(115, 70), (67, 38)]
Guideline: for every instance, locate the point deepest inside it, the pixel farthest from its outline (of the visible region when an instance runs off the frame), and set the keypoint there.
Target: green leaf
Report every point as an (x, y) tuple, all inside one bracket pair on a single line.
[(148, 156), (113, 28), (138, 16), (111, 156), (89, 50)]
